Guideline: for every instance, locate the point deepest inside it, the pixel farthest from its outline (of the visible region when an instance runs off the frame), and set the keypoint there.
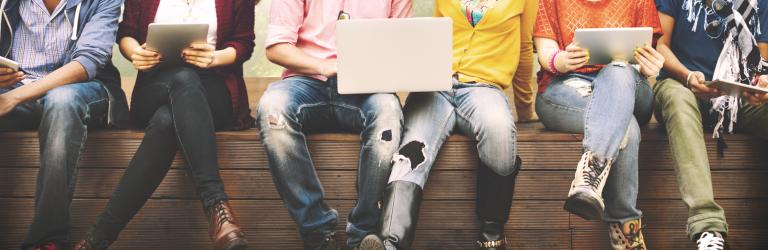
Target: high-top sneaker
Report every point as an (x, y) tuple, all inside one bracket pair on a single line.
[(711, 241), (223, 228), (585, 197), (627, 236)]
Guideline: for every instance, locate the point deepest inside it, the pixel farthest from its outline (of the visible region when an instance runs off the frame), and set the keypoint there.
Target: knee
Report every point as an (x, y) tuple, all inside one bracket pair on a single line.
[(672, 97), (620, 74), (276, 110), (65, 100), (384, 108), (162, 120), (632, 137), (184, 77)]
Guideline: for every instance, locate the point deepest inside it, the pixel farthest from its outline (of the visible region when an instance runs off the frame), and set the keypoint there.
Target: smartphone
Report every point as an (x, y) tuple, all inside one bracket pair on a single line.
[(8, 63)]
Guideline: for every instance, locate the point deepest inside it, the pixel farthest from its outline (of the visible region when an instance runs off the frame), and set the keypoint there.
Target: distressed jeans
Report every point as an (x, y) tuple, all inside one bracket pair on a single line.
[(62, 117), (298, 105), (609, 107), (684, 117), (478, 110)]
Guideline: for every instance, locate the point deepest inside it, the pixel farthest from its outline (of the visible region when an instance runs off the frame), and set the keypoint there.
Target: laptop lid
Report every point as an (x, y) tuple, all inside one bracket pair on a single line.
[(394, 55)]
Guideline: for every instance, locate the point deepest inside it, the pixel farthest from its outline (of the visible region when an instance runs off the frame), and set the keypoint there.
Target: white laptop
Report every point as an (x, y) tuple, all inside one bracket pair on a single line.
[(394, 55)]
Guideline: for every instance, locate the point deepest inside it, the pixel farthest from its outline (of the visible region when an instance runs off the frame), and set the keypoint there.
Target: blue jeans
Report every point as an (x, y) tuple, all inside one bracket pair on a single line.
[(609, 107), (62, 117), (298, 105), (479, 111)]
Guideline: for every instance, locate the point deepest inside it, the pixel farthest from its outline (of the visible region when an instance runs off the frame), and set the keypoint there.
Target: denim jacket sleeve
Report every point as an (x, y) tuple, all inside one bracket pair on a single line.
[(97, 35)]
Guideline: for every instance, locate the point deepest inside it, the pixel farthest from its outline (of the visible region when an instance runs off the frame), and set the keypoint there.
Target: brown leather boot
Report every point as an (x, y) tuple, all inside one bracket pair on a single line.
[(223, 229)]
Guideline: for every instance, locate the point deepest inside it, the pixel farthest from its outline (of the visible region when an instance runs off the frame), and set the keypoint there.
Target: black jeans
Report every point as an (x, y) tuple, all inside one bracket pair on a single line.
[(180, 108)]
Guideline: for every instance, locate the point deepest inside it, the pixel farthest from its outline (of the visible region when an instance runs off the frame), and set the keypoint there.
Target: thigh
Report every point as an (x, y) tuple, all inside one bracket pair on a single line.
[(356, 112), (754, 120), (219, 99), (483, 110), (300, 100), (429, 120), (90, 97), (562, 105)]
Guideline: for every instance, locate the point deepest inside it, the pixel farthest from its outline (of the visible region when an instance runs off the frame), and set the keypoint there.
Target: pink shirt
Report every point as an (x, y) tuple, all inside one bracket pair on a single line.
[(311, 24)]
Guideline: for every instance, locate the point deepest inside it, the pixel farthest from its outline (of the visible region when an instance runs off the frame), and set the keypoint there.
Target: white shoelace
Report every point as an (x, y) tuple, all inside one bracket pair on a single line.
[(711, 241)]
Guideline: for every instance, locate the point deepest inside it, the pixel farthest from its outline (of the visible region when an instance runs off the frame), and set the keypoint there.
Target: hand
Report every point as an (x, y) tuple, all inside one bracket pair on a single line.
[(328, 68), (757, 99), (200, 54), (650, 60), (9, 77), (696, 84), (572, 58), (6, 104), (143, 58)]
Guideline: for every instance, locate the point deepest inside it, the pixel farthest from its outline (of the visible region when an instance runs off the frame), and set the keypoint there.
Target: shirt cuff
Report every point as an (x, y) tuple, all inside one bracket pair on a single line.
[(90, 66), (280, 34)]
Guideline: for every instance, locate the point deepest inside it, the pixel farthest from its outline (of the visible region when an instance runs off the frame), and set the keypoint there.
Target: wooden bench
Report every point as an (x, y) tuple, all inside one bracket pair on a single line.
[(447, 219)]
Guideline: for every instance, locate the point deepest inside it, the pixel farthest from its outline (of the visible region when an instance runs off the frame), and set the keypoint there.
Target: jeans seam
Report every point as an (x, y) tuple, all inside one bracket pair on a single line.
[(560, 106), (357, 109)]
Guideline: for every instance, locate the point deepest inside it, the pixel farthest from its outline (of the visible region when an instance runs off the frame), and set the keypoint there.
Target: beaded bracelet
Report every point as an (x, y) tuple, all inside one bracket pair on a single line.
[(552, 67)]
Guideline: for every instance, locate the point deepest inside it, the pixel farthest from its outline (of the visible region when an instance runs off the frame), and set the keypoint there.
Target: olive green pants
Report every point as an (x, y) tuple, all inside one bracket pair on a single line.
[(683, 115)]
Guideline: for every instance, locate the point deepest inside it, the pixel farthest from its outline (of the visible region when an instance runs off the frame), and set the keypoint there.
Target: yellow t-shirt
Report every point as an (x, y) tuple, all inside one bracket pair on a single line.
[(499, 48)]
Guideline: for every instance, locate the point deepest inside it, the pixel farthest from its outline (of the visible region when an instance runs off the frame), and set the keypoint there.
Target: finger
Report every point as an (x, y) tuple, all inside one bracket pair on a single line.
[(578, 54), (198, 53), (644, 61), (576, 63), (197, 64), (573, 48), (198, 58), (8, 77), (201, 46), (146, 53), (4, 70)]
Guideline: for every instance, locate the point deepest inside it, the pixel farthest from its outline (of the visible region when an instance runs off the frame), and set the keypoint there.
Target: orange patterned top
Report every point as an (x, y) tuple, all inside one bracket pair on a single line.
[(558, 19)]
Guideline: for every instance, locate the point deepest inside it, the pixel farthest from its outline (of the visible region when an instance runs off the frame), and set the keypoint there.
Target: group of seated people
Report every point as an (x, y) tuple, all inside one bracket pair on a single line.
[(67, 84)]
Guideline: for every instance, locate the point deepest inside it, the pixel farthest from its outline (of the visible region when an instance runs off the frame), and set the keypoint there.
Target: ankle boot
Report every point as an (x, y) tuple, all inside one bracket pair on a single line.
[(223, 229), (399, 215), (494, 198), (585, 196)]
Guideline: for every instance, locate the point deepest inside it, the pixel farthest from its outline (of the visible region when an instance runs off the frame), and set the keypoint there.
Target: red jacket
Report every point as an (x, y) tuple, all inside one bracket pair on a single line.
[(235, 20)]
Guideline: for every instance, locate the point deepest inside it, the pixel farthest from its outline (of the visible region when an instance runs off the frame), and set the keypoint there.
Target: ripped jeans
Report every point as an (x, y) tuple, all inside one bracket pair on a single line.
[(479, 111), (609, 107), (298, 105)]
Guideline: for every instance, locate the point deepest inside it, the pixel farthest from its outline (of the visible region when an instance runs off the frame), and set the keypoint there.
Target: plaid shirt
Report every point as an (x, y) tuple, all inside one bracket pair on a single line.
[(41, 39)]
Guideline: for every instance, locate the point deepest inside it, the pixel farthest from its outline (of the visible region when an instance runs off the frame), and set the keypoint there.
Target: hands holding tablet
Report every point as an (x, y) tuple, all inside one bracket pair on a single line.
[(572, 58), (650, 60), (757, 99), (201, 55), (144, 58), (696, 82)]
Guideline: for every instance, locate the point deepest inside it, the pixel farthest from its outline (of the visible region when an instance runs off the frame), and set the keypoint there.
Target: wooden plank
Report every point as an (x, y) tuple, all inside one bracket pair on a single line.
[(184, 239), (746, 238), (454, 185), (270, 214)]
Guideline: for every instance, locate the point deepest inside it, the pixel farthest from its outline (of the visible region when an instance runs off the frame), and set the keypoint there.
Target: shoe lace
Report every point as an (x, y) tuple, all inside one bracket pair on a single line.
[(47, 246), (222, 215), (327, 240), (593, 171), (634, 237), (710, 241)]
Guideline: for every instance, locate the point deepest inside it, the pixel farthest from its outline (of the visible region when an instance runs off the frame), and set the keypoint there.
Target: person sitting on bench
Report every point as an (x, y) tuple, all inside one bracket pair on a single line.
[(180, 106), (694, 37), (608, 103), (65, 85), (301, 38)]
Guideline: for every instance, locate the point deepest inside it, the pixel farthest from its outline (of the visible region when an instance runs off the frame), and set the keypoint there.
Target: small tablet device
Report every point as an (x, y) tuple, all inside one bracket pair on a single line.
[(734, 87), (8, 63), (608, 44), (169, 39)]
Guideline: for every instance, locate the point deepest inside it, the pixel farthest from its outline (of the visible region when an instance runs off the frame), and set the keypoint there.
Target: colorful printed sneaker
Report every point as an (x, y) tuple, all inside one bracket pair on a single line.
[(627, 236), (585, 197), (711, 241)]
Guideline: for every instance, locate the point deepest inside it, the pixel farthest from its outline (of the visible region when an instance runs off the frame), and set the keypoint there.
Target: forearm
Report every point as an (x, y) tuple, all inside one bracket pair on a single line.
[(127, 46), (224, 57), (293, 59), (672, 65), (72, 72), (545, 48)]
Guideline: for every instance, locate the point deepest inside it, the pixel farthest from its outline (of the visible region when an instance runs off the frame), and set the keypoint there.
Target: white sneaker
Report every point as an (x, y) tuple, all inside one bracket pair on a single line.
[(585, 197), (711, 241)]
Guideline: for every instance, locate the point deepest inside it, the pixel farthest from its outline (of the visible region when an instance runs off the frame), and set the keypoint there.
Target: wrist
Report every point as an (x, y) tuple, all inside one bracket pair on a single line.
[(12, 98), (553, 62)]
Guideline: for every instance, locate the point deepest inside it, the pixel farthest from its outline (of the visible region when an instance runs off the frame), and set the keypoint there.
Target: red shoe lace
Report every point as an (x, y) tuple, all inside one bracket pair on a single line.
[(48, 246)]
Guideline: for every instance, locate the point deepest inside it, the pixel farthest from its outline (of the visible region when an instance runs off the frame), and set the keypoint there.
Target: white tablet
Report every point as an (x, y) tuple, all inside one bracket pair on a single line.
[(734, 87), (169, 39), (607, 44)]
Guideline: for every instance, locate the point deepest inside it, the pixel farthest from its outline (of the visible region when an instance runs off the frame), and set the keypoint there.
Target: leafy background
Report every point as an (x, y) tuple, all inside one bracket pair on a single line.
[(258, 65)]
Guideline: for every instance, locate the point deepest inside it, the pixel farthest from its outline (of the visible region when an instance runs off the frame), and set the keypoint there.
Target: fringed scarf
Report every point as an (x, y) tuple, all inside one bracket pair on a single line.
[(739, 61)]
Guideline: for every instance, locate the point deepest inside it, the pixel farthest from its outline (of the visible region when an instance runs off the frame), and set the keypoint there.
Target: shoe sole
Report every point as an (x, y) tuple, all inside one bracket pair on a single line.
[(584, 206), (371, 242), (236, 244)]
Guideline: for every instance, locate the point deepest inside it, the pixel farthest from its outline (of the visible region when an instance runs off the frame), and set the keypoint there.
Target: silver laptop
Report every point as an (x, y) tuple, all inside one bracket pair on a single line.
[(394, 55)]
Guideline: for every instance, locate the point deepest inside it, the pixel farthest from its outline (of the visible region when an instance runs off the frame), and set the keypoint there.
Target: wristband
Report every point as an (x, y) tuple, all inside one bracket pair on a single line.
[(688, 79), (552, 67)]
